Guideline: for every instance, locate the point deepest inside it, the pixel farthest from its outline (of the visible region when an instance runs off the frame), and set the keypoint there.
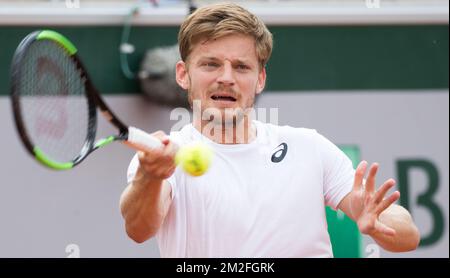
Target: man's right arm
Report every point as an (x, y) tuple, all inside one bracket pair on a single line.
[(147, 199)]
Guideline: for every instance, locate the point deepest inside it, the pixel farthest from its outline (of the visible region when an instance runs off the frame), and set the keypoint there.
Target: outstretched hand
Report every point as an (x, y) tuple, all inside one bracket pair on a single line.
[(366, 204)]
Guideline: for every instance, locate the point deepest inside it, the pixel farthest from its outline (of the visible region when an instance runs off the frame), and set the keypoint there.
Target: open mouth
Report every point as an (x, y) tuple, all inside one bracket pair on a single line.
[(223, 98)]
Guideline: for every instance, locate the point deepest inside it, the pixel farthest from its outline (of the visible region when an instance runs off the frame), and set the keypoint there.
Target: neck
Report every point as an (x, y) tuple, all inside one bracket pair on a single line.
[(238, 132)]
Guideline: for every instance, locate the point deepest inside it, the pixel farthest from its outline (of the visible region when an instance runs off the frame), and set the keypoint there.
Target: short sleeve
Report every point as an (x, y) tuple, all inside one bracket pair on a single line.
[(338, 172)]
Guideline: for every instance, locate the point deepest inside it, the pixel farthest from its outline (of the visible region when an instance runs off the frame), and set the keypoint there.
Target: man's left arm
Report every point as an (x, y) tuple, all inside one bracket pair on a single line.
[(390, 225)]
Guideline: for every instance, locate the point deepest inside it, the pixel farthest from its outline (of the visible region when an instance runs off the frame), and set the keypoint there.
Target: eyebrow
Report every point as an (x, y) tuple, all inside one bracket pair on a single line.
[(239, 61)]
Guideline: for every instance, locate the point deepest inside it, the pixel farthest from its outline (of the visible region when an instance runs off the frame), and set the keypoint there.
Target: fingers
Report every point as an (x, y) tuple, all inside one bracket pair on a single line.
[(359, 175), (370, 182), (382, 228), (161, 136), (387, 202), (172, 147), (381, 192), (159, 162)]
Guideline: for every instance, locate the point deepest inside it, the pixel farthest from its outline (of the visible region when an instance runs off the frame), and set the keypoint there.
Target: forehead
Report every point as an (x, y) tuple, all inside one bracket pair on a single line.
[(230, 47)]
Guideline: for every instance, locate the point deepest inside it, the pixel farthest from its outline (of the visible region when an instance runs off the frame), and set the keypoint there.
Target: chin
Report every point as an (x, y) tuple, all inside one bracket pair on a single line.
[(222, 116)]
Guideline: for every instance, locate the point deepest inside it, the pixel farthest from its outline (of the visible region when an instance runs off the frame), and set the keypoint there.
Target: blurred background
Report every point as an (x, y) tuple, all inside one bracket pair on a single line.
[(370, 75)]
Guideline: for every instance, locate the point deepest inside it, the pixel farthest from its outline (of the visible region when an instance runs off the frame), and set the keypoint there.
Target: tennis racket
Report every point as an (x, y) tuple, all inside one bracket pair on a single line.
[(55, 104)]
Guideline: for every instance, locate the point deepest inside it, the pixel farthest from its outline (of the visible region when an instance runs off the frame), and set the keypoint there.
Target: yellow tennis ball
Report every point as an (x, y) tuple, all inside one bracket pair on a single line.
[(194, 158)]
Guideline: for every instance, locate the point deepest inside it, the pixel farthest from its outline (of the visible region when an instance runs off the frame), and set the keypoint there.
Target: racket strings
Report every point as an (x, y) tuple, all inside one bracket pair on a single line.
[(53, 103)]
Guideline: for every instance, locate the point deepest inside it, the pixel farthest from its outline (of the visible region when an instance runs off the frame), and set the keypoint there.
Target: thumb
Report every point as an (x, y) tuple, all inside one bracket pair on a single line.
[(382, 228), (165, 140)]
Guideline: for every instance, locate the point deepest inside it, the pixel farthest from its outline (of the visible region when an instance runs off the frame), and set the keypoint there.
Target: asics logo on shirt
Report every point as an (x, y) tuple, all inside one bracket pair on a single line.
[(280, 153)]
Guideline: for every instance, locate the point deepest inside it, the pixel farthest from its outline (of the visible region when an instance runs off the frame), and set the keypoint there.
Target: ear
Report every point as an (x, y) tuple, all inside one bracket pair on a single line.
[(261, 81), (182, 75)]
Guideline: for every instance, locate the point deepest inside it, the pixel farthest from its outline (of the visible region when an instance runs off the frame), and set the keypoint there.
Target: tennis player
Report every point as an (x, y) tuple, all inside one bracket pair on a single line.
[(266, 190)]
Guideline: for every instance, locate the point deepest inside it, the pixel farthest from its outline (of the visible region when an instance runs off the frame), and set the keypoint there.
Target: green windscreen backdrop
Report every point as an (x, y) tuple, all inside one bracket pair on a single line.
[(304, 57), (344, 234)]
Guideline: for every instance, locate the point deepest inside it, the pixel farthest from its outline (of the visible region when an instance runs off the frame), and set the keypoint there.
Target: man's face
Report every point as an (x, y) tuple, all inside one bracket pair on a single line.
[(224, 75)]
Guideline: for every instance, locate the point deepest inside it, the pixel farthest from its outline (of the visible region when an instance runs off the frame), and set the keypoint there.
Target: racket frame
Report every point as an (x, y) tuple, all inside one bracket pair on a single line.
[(92, 96)]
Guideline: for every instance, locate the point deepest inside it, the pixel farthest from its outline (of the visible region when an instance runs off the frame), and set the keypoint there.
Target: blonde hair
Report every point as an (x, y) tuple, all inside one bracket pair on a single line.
[(219, 20)]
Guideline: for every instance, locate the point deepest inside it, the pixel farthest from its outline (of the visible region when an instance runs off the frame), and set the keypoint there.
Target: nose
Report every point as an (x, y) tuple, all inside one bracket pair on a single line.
[(226, 76)]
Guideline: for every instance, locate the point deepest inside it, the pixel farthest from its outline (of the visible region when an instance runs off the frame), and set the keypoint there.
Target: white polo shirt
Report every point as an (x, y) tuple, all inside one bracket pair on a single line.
[(262, 199)]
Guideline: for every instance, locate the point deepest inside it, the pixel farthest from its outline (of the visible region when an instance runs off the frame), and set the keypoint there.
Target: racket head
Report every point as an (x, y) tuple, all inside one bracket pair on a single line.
[(53, 108)]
